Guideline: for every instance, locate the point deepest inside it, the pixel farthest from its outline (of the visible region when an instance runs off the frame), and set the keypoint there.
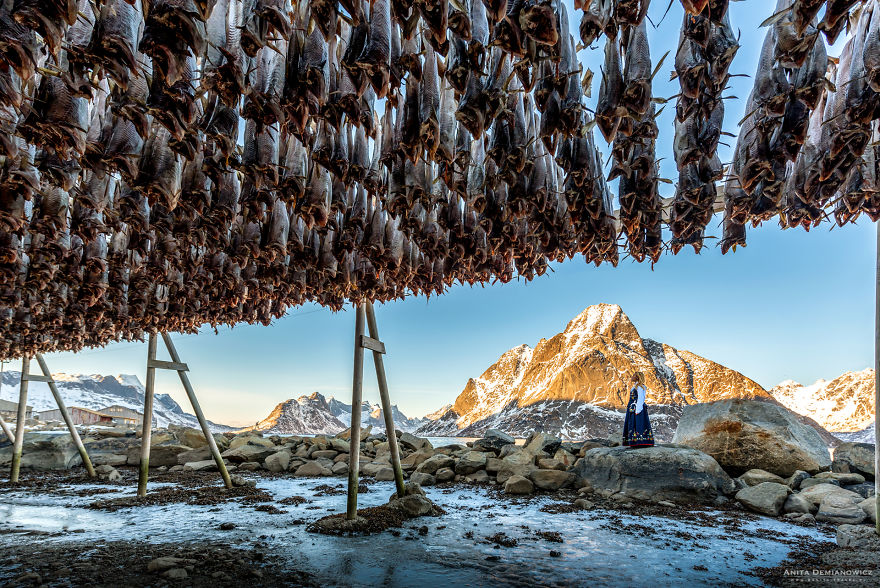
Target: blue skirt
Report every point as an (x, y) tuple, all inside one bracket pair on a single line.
[(637, 427)]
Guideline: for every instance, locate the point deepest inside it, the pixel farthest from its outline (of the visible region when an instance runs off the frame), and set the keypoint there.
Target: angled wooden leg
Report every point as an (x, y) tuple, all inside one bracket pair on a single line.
[(877, 388), (356, 393), (6, 430), (147, 430), (64, 414), (386, 402), (212, 443), (19, 420)]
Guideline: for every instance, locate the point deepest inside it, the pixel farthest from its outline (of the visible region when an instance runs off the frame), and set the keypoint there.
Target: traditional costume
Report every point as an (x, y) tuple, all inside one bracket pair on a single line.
[(636, 425)]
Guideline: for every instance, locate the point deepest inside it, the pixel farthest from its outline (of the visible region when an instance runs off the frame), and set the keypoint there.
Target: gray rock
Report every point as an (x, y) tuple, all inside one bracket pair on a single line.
[(542, 442), (795, 480), (519, 457), (339, 468), (413, 505), (854, 457), (160, 564), (804, 518), (869, 505), (839, 508), (810, 482), (200, 454), (548, 463), (278, 461), (478, 477), (325, 453), (508, 450), (766, 497), (746, 434), (111, 451), (385, 475), (444, 475), (494, 441), (423, 479), (493, 465), (201, 466), (551, 479), (583, 504), (471, 462), (564, 457), (42, 451), (798, 504), (654, 473), (507, 470), (249, 452), (844, 479), (413, 443), (312, 469), (816, 494), (518, 485), (755, 476), (434, 463), (865, 489), (238, 481), (858, 536)]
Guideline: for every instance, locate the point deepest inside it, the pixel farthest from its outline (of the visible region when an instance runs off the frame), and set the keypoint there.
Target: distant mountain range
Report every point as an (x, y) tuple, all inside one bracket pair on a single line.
[(315, 414), (96, 392)]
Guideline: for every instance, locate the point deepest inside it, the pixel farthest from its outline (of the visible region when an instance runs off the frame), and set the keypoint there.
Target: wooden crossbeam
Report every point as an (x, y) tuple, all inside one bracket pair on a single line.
[(160, 364), (37, 378), (372, 344)]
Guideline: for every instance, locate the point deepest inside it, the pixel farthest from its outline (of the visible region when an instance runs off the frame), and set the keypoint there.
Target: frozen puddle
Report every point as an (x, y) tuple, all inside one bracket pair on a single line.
[(599, 547)]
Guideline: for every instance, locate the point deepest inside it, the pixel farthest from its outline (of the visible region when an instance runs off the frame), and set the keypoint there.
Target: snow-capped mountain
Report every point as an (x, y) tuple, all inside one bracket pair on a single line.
[(845, 405), (575, 383), (96, 392), (315, 414), (372, 415)]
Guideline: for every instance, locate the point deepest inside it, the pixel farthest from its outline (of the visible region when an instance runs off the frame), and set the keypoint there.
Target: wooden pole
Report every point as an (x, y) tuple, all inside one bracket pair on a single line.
[(877, 387), (6, 430), (354, 452), (148, 418), (19, 420), (386, 403), (212, 443), (64, 414)]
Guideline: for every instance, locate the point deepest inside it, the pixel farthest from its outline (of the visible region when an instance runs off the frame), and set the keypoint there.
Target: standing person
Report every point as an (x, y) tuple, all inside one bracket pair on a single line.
[(636, 425)]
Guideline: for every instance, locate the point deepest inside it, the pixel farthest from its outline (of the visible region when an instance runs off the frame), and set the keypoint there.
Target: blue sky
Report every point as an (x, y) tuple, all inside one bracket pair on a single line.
[(790, 305)]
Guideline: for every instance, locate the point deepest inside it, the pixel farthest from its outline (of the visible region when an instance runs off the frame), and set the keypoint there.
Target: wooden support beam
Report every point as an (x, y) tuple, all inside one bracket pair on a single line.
[(20, 418), (7, 431), (36, 378), (877, 386), (191, 394), (386, 402), (167, 365), (74, 434), (147, 430), (356, 395), (372, 344)]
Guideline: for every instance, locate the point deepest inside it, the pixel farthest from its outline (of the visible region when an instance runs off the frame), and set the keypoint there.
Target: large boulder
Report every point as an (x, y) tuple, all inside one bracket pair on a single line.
[(42, 451), (188, 436), (840, 508), (470, 463), (756, 476), (869, 505), (194, 455), (412, 443), (550, 479), (164, 449), (434, 463), (854, 457), (679, 474), (816, 494), (858, 536), (538, 442), (745, 434), (278, 461), (766, 498), (312, 469), (250, 438), (112, 451), (494, 440), (518, 485), (249, 452)]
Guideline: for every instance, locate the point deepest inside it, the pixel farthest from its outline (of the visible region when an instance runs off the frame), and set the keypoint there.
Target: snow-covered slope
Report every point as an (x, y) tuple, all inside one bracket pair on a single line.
[(305, 415), (96, 392), (576, 383), (844, 405), (372, 416)]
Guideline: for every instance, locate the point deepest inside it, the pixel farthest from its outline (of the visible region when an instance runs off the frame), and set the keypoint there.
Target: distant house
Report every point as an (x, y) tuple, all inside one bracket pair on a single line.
[(9, 410), (79, 416), (122, 415)]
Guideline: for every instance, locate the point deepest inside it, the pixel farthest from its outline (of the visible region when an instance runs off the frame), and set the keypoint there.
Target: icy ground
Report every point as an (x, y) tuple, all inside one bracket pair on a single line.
[(599, 548)]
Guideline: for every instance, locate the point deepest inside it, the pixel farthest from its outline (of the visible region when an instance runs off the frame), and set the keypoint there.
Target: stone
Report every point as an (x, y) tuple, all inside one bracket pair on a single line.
[(755, 476), (843, 479), (854, 457), (519, 457), (339, 445), (413, 460), (385, 475), (412, 443), (583, 504), (677, 474), (869, 505), (798, 504), (176, 574), (109, 451), (249, 452), (865, 489), (518, 485), (160, 564), (478, 477), (42, 451), (339, 468), (548, 463), (494, 441), (804, 518), (278, 461), (471, 462), (745, 434), (312, 469), (434, 463), (509, 450), (565, 458), (537, 442), (188, 436), (201, 466), (249, 438), (547, 479), (810, 482), (816, 494), (249, 466), (507, 470), (371, 469), (325, 453), (493, 465), (795, 480), (413, 505), (766, 497), (444, 475), (194, 455), (839, 508), (238, 481), (423, 479), (858, 536)]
